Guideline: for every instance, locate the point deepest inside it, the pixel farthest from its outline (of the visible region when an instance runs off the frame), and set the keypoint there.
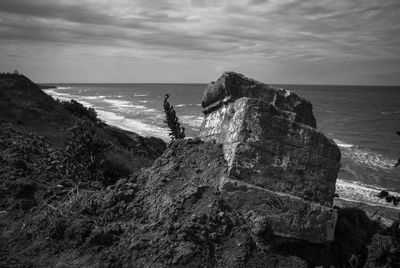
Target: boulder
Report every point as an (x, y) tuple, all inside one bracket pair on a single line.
[(287, 215), (231, 86), (279, 164), (267, 148)]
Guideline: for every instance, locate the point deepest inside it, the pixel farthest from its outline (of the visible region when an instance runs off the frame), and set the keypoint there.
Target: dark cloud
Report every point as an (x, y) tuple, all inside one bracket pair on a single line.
[(222, 31), (54, 9)]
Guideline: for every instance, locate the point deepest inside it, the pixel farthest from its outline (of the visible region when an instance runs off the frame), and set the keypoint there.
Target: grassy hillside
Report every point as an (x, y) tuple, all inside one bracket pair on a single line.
[(23, 103)]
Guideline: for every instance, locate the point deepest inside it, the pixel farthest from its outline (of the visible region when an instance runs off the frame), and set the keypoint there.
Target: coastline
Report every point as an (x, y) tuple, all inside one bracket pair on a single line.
[(350, 193), (179, 196)]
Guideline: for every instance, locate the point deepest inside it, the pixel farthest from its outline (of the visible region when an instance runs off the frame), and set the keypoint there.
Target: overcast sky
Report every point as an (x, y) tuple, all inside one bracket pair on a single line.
[(275, 41)]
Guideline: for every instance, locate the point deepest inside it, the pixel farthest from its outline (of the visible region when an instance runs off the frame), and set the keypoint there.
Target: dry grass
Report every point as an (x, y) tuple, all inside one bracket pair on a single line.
[(74, 207)]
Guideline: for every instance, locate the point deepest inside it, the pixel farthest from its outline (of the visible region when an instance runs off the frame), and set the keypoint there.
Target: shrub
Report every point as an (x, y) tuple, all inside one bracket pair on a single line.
[(176, 131), (85, 157), (81, 111), (85, 154)]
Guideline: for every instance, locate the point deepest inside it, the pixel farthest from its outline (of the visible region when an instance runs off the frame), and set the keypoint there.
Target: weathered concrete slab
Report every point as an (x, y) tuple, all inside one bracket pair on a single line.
[(287, 215), (266, 148), (231, 86), (280, 166)]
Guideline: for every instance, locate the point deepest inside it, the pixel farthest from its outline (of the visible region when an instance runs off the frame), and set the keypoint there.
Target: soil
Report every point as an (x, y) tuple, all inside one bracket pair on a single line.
[(168, 215), (50, 222)]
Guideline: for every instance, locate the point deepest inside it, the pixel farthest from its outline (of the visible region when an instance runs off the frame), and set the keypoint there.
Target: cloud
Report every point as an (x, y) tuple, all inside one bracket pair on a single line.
[(225, 32)]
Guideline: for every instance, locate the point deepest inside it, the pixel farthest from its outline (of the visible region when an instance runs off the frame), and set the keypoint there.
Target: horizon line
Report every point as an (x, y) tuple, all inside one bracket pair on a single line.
[(198, 83)]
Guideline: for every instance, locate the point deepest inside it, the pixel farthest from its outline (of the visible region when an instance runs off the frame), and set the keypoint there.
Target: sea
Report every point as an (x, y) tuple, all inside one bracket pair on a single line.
[(362, 120)]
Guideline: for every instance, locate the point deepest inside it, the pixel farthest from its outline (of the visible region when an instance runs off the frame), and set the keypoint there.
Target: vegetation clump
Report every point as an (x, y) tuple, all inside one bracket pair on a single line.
[(81, 111), (85, 157), (389, 198), (15, 73), (176, 131)]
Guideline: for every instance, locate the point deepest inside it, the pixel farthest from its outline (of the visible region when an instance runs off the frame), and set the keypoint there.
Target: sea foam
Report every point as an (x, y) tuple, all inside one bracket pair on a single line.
[(133, 125), (368, 194), (365, 156), (192, 120), (342, 144)]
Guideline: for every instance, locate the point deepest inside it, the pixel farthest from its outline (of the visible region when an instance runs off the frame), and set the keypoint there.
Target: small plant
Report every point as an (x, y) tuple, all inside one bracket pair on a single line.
[(176, 131)]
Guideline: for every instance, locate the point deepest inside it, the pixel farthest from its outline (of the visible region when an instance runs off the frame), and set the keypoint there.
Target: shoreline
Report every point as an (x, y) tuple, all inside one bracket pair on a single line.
[(349, 192)]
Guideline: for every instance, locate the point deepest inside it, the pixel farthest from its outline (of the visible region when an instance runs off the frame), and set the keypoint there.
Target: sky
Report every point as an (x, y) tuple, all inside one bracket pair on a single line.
[(194, 41)]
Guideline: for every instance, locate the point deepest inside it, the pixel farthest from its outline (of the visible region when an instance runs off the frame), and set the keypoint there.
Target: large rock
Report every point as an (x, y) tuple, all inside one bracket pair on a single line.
[(287, 215), (231, 86), (274, 156)]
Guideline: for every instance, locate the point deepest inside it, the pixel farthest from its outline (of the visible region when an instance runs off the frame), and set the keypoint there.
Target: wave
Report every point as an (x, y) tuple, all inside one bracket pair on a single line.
[(109, 116), (128, 107), (356, 191), (342, 144), (390, 113), (52, 92), (140, 95), (190, 104), (134, 125), (192, 120), (62, 88), (369, 158), (68, 97), (85, 103), (119, 103), (365, 156), (100, 97)]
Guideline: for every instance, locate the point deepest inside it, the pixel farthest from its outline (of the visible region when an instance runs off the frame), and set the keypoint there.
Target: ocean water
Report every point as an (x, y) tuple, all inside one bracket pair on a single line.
[(362, 120)]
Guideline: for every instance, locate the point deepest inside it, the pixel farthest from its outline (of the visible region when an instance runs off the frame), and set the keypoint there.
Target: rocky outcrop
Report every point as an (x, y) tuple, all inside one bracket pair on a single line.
[(231, 86), (279, 165)]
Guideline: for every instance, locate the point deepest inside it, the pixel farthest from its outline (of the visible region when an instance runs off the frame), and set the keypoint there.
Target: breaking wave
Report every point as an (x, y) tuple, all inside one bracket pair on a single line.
[(356, 191), (390, 113), (192, 120), (133, 125), (365, 156)]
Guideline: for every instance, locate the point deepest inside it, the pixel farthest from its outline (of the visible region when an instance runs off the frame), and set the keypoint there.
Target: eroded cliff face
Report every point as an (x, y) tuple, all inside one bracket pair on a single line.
[(279, 165)]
